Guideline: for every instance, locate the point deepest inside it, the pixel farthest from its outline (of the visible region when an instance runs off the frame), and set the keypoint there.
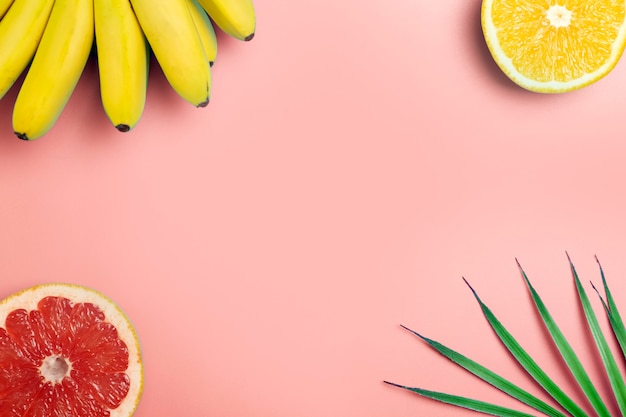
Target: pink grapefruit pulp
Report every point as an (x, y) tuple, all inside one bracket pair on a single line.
[(67, 351)]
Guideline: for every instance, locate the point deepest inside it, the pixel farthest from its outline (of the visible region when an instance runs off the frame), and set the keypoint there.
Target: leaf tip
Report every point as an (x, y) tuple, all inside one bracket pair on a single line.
[(600, 267), (407, 328), (571, 266), (424, 338), (393, 384), (466, 282), (470, 287)]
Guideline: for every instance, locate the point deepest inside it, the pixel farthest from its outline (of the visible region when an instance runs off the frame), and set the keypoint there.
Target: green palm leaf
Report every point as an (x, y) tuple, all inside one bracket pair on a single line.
[(527, 362), (610, 365), (480, 406), (492, 378), (533, 369), (567, 352), (613, 314)]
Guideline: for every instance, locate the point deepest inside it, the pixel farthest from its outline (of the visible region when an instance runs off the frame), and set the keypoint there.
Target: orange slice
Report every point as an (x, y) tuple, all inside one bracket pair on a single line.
[(554, 46), (67, 350)]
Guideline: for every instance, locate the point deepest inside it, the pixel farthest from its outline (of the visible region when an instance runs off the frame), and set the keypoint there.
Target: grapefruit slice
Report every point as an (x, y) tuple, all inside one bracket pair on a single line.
[(67, 350), (555, 46)]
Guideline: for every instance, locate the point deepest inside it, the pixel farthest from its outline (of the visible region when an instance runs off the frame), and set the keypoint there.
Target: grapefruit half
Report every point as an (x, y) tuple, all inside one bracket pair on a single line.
[(67, 350)]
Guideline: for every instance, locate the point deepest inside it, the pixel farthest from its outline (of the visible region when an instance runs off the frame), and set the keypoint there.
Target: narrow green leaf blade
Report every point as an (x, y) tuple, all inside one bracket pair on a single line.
[(615, 318), (615, 377), (616, 326), (464, 402), (492, 378), (567, 352), (527, 362)]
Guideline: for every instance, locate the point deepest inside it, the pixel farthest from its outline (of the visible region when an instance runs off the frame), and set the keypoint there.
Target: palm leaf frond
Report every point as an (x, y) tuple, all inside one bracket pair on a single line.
[(527, 362), (617, 325), (610, 365), (567, 352), (464, 402), (491, 377)]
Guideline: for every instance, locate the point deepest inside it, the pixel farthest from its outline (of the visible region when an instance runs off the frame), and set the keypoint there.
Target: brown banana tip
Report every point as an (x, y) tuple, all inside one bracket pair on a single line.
[(204, 103), (122, 127), (21, 135), (249, 37), (211, 63)]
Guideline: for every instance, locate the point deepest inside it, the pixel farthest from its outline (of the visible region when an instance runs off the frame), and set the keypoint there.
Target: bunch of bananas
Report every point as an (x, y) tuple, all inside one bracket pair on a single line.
[(53, 39)]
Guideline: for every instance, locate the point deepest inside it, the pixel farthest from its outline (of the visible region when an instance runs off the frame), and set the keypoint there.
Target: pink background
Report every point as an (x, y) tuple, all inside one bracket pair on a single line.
[(357, 159)]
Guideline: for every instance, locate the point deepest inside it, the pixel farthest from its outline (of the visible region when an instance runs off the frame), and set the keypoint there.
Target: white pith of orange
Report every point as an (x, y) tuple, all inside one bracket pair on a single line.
[(513, 29), (28, 298)]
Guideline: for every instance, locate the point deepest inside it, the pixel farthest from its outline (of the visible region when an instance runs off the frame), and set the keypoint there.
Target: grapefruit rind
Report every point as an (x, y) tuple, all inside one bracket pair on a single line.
[(28, 298), (552, 87)]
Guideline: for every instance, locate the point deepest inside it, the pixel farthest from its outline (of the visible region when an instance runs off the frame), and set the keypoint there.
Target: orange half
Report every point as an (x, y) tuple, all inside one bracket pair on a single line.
[(555, 46)]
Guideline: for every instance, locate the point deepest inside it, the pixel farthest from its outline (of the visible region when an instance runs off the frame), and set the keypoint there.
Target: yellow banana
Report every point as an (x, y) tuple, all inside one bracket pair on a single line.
[(4, 6), (205, 30), (20, 33), (56, 68), (173, 37), (122, 54), (235, 17)]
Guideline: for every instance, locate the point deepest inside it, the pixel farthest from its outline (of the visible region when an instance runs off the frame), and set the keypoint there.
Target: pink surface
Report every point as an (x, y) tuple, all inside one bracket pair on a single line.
[(357, 159)]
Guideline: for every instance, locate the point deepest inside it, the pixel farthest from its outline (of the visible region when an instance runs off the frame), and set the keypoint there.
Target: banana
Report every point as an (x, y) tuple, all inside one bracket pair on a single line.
[(4, 6), (235, 17), (122, 54), (56, 68), (20, 31), (205, 30), (173, 37)]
